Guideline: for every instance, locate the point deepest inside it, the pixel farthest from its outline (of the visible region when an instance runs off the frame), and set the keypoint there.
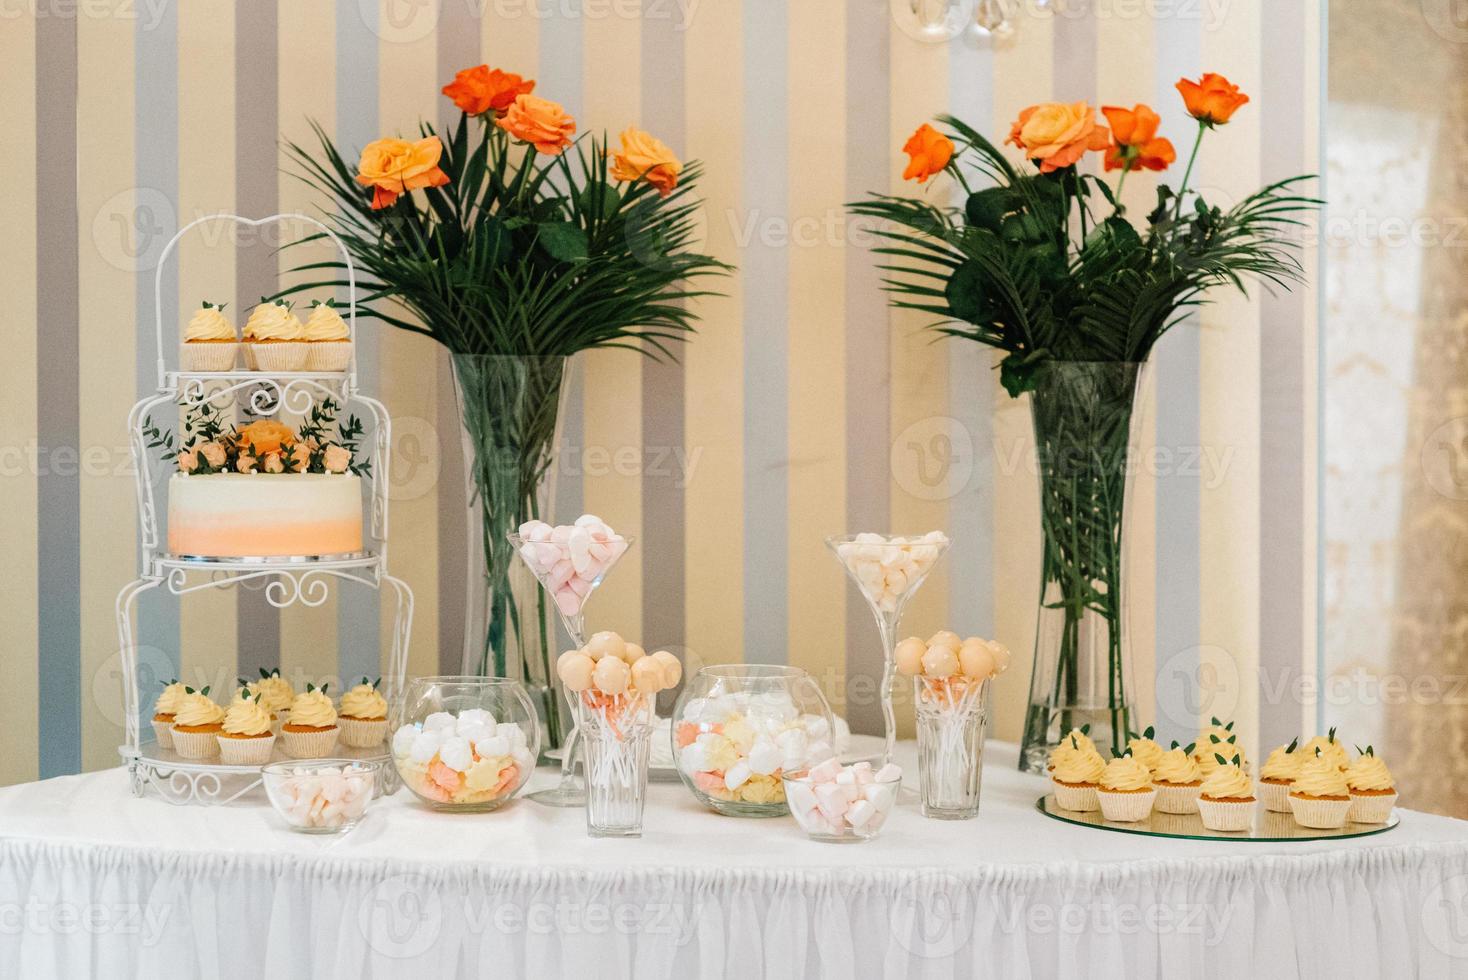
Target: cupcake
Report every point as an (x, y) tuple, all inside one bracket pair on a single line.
[(1075, 776), (1177, 780), (1076, 740), (1329, 748), (328, 341), (274, 338), (310, 730), (164, 710), (1373, 794), (275, 693), (196, 724), (1125, 791), (209, 341), (1226, 798), (1215, 745), (1144, 748), (1319, 796), (363, 716), (245, 738), (1279, 771)]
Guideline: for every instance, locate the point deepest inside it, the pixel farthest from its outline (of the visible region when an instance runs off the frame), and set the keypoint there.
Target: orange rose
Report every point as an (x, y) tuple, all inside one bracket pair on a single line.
[(300, 457), (394, 166), (336, 459), (213, 454), (645, 157), (480, 89), (540, 121), (1135, 143), (266, 436), (273, 464), (246, 463), (188, 461), (1212, 99), (930, 152), (1058, 134)]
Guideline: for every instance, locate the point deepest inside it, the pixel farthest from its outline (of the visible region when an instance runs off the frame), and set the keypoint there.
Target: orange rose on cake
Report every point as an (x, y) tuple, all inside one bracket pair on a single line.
[(1058, 134), (539, 121), (392, 167), (265, 436)]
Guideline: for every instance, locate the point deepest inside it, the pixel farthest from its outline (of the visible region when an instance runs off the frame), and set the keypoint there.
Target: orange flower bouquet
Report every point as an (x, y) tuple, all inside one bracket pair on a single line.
[(516, 244), (1043, 263)]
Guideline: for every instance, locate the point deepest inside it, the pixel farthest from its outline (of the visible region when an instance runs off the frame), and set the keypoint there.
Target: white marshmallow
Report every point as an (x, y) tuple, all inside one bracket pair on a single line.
[(764, 757), (456, 753), (494, 745), (825, 771), (859, 813), (439, 719), (402, 740), (737, 775), (425, 744)]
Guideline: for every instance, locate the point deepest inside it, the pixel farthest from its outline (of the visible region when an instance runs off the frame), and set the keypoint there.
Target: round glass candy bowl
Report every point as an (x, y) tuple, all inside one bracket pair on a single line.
[(468, 743), (738, 727)]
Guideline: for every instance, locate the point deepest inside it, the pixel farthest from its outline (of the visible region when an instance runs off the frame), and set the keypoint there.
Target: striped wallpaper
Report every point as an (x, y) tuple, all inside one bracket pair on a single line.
[(804, 408)]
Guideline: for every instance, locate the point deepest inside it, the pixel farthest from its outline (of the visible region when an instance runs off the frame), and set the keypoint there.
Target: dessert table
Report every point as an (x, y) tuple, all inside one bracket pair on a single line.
[(96, 882)]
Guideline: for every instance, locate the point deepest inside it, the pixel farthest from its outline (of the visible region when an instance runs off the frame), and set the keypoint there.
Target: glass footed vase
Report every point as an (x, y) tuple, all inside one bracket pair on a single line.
[(568, 581), (1085, 434), (888, 570)]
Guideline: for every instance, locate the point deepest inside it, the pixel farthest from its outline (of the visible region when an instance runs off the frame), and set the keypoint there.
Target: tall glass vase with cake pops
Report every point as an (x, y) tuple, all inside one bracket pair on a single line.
[(570, 561), (888, 569)]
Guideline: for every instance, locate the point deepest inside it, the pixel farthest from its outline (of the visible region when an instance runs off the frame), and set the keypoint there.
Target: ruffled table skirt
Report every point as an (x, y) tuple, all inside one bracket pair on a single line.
[(96, 883)]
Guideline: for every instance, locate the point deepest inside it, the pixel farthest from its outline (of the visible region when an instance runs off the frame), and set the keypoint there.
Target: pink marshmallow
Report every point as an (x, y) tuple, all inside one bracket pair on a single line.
[(825, 772), (888, 773)]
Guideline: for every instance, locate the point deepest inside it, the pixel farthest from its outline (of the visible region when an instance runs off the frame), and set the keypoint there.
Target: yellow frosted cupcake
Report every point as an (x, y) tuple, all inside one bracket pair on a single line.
[(328, 341), (1373, 793), (1226, 799), (1075, 777), (1216, 744), (1076, 740), (310, 730), (245, 738), (1177, 780), (275, 693), (363, 715), (196, 724), (209, 341), (1319, 796), (164, 710), (1330, 748), (1279, 771), (274, 338), (1144, 748), (1125, 789)]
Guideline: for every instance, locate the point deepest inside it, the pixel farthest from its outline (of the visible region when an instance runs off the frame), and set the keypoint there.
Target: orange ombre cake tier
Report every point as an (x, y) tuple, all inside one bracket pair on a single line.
[(228, 515)]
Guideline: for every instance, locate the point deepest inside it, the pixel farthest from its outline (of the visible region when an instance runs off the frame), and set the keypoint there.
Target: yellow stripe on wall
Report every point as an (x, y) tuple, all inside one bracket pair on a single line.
[(105, 186), (1230, 415), (18, 531), (611, 401), (307, 76), (206, 271), (510, 40), (408, 91), (714, 361), (817, 338), (1311, 326), (1023, 75)]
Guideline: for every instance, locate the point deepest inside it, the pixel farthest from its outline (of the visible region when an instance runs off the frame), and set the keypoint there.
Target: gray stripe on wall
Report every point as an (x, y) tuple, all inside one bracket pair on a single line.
[(1179, 425), (663, 449), (765, 193), (1282, 403), (257, 133), (358, 635), (971, 389), (868, 343), (458, 48), (156, 218), (58, 425)]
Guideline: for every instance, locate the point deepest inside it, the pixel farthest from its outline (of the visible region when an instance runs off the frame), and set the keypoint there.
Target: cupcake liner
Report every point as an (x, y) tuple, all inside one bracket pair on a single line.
[(247, 354), (310, 745), (207, 356), (1229, 815), (246, 751), (1320, 814), (1126, 807), (1372, 808), (285, 355), (196, 745), (1172, 798), (328, 355), (1079, 798), (1274, 796), (163, 732), (360, 733)]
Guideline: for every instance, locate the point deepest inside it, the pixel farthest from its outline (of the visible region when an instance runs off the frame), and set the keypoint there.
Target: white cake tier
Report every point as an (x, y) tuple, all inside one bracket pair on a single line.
[(235, 515)]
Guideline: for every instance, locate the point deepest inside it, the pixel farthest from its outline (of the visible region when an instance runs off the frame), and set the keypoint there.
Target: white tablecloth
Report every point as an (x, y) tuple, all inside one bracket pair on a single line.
[(94, 882)]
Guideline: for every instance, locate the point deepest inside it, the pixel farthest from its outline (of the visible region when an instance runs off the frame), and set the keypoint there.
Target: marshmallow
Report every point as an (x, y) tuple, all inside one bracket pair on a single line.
[(456, 753), (886, 569), (402, 739), (860, 813), (570, 559), (492, 747), (836, 801), (426, 744), (737, 775), (825, 772), (764, 757), (439, 719)]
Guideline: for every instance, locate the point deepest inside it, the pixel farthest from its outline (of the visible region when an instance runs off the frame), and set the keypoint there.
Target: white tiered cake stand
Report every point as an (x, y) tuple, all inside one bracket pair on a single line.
[(303, 579)]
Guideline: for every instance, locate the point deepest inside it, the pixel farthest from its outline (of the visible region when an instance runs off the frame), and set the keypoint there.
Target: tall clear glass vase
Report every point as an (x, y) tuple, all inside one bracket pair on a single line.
[(512, 408), (1083, 414)]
